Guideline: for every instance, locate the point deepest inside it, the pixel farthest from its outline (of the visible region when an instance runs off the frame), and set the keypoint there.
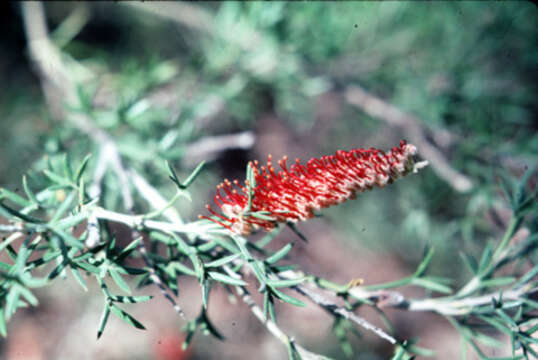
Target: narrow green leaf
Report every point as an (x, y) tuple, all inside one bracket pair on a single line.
[(487, 340), (22, 256), (423, 266), (79, 278), (57, 270), (506, 318), (207, 247), (285, 283), (68, 238), (183, 269), (440, 279), (527, 205), (507, 185), (64, 206), (279, 255), (104, 320), (262, 216), (27, 294), (399, 353), (3, 327), (496, 282), (286, 298), (81, 191), (47, 257), (266, 300), (198, 266), (11, 252), (263, 242), (226, 244), (257, 268), (173, 176), (20, 215), (7, 242), (193, 175), (251, 179), (144, 280), (271, 307), (496, 324), (340, 329), (70, 221), (240, 242), (131, 299), (81, 168), (127, 270), (29, 193), (222, 261), (206, 287), (89, 267), (486, 257), (5, 266), (172, 278), (56, 178), (431, 285), (210, 327), (15, 198), (68, 173), (12, 300), (527, 277), (119, 280), (226, 279), (126, 317), (166, 239), (420, 351), (293, 228), (32, 282), (128, 250), (190, 329), (282, 268)]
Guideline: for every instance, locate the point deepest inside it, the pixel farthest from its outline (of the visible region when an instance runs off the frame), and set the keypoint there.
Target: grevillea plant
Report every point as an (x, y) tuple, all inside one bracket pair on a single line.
[(293, 193), (66, 221)]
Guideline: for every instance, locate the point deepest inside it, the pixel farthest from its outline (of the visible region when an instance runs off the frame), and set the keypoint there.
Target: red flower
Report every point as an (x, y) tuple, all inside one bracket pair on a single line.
[(293, 193)]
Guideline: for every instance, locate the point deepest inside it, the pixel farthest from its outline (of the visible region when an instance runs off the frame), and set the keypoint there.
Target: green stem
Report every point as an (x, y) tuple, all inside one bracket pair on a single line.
[(392, 284), (329, 285), (157, 213), (512, 227), (475, 282)]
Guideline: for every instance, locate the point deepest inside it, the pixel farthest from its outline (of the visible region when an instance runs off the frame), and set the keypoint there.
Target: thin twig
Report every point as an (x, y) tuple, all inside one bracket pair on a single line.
[(11, 228), (270, 325), (154, 277), (448, 306), (94, 190), (186, 14), (134, 221), (153, 197), (94, 236), (410, 124), (209, 147), (332, 308)]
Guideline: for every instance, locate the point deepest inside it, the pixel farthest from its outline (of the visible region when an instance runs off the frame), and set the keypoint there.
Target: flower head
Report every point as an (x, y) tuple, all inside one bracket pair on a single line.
[(294, 192)]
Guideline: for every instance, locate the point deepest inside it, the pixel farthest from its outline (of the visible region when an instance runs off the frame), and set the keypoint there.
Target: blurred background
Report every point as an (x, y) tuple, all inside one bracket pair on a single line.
[(229, 82)]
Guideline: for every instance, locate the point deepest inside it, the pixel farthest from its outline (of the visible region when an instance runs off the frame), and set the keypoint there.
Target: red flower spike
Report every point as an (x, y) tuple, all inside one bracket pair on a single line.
[(294, 192)]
